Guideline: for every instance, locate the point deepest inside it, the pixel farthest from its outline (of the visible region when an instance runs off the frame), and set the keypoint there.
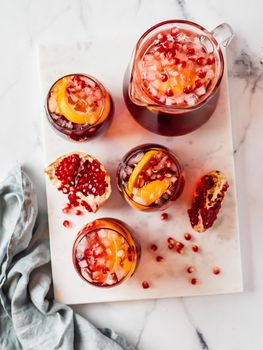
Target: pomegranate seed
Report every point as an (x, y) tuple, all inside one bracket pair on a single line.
[(179, 245), (166, 46), (198, 83), (171, 246), (170, 240), (192, 57), (195, 248), (183, 64), (193, 281), (159, 48), (188, 89), (153, 247), (201, 73), (177, 46), (159, 176), (216, 270), (164, 216), (66, 223), (66, 209), (201, 61), (145, 285), (78, 212), (169, 92), (190, 269), (174, 31), (170, 53), (187, 236), (159, 258), (210, 59), (163, 77), (190, 51), (161, 37)]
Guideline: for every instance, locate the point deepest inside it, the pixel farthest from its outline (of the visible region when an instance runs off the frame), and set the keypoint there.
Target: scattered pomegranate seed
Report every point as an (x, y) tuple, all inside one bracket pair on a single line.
[(66, 223), (210, 59), (163, 77), (159, 258), (179, 245), (78, 212), (170, 240), (201, 73), (161, 37), (190, 51), (195, 248), (170, 246), (201, 61), (187, 236), (188, 89), (153, 247), (198, 83), (216, 270), (190, 269), (164, 216), (66, 209), (169, 92), (145, 285), (193, 281)]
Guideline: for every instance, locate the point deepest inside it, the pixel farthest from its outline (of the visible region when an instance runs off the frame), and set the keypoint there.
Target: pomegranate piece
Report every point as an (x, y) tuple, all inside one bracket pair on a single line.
[(207, 200), (216, 270), (66, 223), (159, 258), (82, 178), (190, 269), (193, 281), (195, 248), (164, 216), (153, 247), (187, 236), (145, 285)]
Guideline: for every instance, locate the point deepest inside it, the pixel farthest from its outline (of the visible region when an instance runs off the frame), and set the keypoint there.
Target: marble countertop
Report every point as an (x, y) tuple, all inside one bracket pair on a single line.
[(225, 322)]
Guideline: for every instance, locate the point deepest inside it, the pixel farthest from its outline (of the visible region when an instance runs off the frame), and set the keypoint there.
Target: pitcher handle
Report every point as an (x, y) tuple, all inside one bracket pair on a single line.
[(223, 34)]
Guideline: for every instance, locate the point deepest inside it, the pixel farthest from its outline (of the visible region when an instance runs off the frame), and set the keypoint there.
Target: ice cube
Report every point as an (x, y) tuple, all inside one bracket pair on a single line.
[(190, 99), (200, 91), (136, 158)]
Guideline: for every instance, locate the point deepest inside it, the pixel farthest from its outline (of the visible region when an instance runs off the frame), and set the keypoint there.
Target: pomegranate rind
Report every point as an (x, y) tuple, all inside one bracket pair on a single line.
[(94, 201), (207, 198)]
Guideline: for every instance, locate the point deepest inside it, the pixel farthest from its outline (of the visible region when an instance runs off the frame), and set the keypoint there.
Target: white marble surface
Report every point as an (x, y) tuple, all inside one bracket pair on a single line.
[(229, 322)]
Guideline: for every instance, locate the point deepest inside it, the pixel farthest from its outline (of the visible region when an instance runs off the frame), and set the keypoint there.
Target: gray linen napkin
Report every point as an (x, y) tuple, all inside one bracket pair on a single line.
[(29, 317)]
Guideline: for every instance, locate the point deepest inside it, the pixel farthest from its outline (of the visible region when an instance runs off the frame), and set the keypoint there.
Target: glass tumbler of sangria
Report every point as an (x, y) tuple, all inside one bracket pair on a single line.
[(105, 253), (150, 177), (77, 106), (172, 85)]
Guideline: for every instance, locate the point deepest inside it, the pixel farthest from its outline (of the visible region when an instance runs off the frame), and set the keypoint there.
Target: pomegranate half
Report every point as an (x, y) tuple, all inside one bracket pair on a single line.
[(207, 200), (82, 178)]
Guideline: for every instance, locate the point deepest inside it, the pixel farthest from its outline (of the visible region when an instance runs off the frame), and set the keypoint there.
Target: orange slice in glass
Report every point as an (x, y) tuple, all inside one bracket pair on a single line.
[(149, 193)]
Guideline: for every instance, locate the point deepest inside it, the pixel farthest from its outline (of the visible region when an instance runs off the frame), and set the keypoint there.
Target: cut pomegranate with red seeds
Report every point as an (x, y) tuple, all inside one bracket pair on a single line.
[(66, 223), (153, 247), (82, 178), (201, 61), (193, 281), (207, 200), (187, 236), (164, 216), (145, 285), (190, 269), (216, 270), (195, 248), (159, 258)]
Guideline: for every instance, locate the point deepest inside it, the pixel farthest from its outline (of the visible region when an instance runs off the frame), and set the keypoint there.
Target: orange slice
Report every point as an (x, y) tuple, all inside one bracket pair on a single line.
[(149, 193), (68, 111), (138, 169)]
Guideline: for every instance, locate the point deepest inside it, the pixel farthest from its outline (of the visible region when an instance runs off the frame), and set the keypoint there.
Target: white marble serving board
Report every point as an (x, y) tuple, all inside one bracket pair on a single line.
[(208, 148)]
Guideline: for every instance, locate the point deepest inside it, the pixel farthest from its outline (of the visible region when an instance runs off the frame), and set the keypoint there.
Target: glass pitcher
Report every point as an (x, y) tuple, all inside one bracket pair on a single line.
[(172, 84)]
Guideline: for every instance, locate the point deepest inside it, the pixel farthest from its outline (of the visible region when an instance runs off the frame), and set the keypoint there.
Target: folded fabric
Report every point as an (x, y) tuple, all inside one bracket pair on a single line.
[(29, 317)]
